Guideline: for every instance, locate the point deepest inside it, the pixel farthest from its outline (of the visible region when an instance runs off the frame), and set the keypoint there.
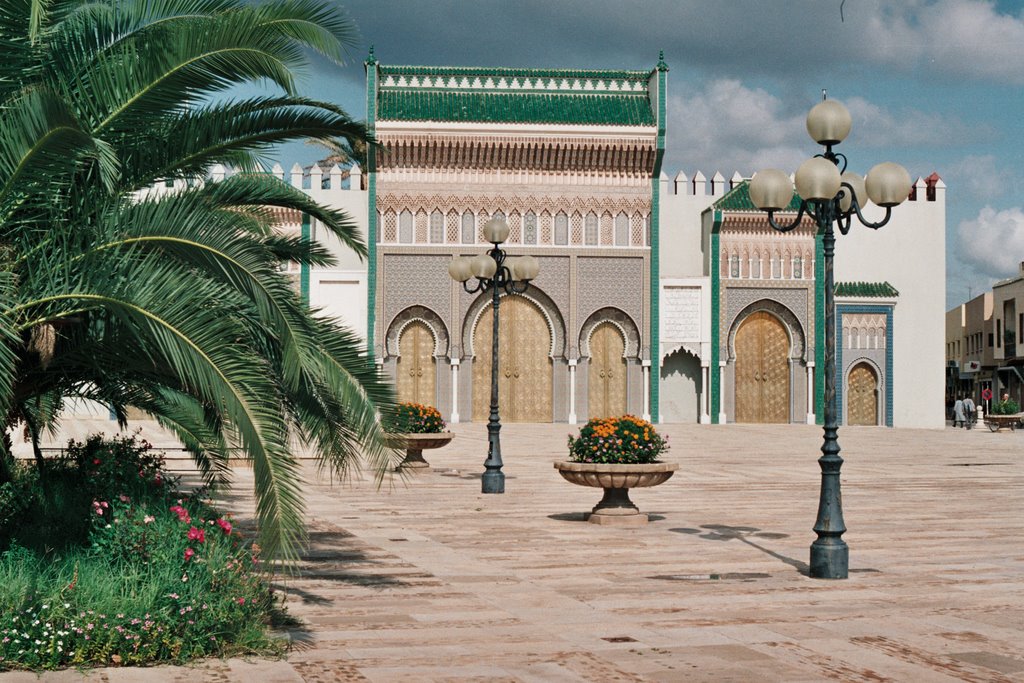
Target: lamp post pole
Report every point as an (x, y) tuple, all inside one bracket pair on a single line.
[(494, 271), (831, 196)]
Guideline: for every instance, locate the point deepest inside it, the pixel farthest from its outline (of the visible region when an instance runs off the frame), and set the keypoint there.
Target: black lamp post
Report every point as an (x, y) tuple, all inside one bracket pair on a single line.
[(831, 196), (494, 271)]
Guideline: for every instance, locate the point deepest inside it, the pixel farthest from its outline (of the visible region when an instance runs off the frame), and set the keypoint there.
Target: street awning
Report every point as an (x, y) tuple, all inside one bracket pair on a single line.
[(1012, 369)]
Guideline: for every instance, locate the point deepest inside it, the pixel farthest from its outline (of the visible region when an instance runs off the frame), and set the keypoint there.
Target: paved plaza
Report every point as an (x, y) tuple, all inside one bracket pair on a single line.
[(430, 580)]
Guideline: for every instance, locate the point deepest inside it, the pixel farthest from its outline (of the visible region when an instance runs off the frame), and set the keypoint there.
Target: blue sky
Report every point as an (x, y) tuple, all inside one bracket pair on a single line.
[(936, 85)]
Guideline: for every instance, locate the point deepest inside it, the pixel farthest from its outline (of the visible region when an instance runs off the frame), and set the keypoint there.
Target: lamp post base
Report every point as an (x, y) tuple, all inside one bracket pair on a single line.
[(492, 481), (830, 559)]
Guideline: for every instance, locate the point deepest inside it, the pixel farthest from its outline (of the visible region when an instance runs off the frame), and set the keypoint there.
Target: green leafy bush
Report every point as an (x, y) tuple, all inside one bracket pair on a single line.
[(1007, 407), (415, 418), (160, 576), (617, 440)]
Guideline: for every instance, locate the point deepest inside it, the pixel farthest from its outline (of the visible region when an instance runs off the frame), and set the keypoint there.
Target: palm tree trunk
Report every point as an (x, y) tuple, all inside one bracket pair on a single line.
[(33, 431)]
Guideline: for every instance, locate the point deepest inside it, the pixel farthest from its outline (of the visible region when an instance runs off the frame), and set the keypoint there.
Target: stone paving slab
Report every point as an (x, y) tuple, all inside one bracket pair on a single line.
[(427, 579)]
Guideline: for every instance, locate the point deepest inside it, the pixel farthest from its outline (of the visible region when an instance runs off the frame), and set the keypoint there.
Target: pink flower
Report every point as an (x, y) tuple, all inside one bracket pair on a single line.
[(241, 601), (124, 499), (225, 525), (195, 534), (148, 518), (189, 553), (182, 513)]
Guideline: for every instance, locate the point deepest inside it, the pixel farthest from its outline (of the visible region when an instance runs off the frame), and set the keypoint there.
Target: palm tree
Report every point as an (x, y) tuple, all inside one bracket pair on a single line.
[(171, 301)]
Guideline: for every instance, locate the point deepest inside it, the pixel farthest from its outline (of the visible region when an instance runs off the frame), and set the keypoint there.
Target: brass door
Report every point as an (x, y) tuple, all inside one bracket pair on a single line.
[(862, 394), (416, 368), (607, 376), (762, 370), (524, 366)]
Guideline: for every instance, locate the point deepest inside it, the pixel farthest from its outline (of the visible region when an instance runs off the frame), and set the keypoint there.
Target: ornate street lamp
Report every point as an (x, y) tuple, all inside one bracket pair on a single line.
[(830, 195), (494, 271)]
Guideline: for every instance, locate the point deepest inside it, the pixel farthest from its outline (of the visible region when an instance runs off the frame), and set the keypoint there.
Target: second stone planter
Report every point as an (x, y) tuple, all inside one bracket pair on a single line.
[(616, 480), (415, 444)]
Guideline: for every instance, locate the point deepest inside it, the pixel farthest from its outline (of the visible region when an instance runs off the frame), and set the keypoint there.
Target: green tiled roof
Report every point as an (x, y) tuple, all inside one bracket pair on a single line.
[(503, 95), (510, 73), (869, 290), (506, 107), (738, 199)]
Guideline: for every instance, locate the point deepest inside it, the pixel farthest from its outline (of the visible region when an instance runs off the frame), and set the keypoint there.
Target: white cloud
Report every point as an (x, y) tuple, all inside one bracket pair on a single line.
[(993, 242), (729, 127), (971, 38), (724, 125), (978, 177)]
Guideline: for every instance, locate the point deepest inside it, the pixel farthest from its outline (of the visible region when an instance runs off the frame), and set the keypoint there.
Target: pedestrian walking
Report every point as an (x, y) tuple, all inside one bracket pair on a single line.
[(971, 411), (958, 413)]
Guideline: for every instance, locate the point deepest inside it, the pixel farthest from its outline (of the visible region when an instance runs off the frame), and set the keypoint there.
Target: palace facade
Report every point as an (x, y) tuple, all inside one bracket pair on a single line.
[(667, 298)]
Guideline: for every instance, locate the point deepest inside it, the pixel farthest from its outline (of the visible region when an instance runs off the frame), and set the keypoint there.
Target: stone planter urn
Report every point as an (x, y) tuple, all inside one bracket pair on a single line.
[(415, 444), (616, 480)]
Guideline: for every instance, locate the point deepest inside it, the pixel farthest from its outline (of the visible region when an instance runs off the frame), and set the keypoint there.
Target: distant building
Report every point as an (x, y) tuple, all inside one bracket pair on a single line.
[(983, 343)]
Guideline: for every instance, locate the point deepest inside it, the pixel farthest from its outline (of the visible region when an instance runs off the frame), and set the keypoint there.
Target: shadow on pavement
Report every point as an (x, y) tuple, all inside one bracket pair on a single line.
[(722, 532)]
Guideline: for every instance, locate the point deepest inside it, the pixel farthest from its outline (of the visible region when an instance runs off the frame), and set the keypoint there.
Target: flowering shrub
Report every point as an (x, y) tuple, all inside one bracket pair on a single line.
[(415, 418), (162, 576), (617, 440)]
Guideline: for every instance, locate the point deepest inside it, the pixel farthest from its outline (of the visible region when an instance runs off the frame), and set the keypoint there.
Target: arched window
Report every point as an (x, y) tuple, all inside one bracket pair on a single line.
[(777, 266), (622, 230), (561, 228), (468, 228), (798, 268), (590, 230), (734, 265), (499, 215), (436, 227), (530, 228), (405, 227), (755, 271), (380, 225), (647, 229)]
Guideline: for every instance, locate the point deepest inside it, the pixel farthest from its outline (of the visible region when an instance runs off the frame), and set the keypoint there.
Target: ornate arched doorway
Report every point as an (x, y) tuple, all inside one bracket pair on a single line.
[(524, 363), (607, 376), (762, 370), (862, 395), (416, 370)]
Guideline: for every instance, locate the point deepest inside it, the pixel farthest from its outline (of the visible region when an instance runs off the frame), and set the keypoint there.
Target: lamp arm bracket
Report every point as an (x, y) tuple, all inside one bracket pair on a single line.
[(513, 286), (480, 286), (789, 226), (866, 223), (837, 158)]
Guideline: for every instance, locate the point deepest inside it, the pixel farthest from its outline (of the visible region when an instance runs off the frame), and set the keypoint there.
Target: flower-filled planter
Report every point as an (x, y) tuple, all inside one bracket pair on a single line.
[(416, 427), (617, 454)]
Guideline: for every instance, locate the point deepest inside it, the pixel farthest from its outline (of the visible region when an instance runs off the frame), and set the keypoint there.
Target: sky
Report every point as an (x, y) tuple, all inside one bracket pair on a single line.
[(935, 85)]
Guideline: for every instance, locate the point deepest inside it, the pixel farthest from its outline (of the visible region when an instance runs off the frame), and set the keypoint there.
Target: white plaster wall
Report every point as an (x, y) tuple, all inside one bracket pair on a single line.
[(680, 225), (910, 254), (341, 290)]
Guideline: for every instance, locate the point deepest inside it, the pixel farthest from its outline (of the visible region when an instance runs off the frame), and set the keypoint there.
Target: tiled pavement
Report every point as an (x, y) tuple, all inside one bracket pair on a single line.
[(432, 581)]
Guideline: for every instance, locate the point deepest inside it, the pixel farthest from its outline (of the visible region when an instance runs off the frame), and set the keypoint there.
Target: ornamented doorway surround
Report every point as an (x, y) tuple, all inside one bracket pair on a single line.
[(762, 370), (524, 363), (862, 393), (416, 368), (607, 379)]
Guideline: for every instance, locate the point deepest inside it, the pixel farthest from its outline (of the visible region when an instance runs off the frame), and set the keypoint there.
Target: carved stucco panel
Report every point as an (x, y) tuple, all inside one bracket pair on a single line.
[(415, 279), (610, 281), (681, 314)]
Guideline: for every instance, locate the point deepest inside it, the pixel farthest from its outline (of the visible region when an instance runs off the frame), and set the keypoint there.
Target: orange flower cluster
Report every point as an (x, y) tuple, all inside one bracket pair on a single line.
[(415, 418), (625, 439)]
